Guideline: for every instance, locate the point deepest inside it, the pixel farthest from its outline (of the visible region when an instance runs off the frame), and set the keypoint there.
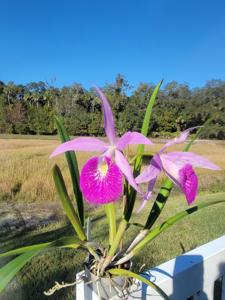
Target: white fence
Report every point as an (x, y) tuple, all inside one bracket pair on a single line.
[(197, 275)]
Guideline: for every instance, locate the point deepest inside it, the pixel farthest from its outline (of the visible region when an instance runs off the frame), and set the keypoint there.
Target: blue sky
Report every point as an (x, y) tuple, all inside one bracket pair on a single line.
[(90, 41)]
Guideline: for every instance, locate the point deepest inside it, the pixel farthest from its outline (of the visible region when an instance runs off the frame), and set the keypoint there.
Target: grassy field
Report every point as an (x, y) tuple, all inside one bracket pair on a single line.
[(26, 168), (25, 178)]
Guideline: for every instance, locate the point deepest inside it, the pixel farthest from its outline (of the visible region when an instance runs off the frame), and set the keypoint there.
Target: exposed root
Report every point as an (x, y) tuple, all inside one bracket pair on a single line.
[(59, 286)]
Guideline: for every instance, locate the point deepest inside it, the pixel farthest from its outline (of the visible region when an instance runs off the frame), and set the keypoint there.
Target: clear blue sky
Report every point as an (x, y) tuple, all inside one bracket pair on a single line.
[(90, 41)]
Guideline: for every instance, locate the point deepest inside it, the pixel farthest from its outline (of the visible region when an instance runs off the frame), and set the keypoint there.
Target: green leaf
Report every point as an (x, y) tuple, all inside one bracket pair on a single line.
[(131, 194), (70, 241), (14, 266), (74, 170), (26, 249), (126, 273), (66, 203), (168, 223), (159, 203), (145, 125)]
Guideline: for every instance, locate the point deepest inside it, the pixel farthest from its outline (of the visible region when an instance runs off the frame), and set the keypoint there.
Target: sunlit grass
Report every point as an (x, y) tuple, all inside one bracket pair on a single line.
[(62, 265), (26, 177), (26, 163)]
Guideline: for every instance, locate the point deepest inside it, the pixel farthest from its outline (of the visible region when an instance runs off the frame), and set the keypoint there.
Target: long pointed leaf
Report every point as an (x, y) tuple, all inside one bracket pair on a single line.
[(66, 203), (8, 271), (145, 126), (168, 223), (74, 171), (14, 266), (131, 194), (26, 249), (62, 242), (126, 273)]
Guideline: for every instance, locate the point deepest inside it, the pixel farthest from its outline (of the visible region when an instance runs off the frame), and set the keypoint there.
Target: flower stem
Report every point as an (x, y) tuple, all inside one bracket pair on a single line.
[(111, 218), (119, 235)]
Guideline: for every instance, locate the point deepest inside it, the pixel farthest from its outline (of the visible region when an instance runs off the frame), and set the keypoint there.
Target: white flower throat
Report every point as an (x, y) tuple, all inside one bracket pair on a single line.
[(103, 168)]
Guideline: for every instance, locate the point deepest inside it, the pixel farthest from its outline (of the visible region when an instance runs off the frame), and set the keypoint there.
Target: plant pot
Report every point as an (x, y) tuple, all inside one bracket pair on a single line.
[(106, 288), (92, 287)]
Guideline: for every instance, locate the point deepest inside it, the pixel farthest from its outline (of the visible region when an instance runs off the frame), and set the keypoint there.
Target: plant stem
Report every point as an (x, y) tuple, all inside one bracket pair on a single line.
[(111, 218), (122, 227)]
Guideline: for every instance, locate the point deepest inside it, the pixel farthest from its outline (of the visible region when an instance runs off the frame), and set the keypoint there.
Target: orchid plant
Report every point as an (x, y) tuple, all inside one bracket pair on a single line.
[(109, 177)]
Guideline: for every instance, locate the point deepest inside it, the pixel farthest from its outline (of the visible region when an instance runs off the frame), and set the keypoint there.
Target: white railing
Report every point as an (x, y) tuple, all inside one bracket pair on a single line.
[(197, 275)]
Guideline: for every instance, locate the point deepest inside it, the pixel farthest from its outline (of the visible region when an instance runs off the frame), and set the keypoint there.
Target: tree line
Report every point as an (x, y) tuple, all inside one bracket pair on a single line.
[(30, 108)]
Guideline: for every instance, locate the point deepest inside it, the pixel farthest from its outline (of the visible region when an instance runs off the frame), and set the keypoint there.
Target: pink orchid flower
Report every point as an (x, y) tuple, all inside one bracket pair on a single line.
[(178, 166), (101, 176)]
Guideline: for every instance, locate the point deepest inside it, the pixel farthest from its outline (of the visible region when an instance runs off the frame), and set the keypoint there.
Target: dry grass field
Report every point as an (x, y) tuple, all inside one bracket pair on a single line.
[(25, 169), (25, 180)]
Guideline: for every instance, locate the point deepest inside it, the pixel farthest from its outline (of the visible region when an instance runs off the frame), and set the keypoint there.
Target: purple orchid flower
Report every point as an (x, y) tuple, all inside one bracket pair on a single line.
[(101, 176), (178, 166)]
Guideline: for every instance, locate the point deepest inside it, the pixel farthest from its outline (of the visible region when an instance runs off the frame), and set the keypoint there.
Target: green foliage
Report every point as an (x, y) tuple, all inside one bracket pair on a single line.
[(168, 223), (74, 170), (9, 270), (67, 203), (126, 273), (30, 109)]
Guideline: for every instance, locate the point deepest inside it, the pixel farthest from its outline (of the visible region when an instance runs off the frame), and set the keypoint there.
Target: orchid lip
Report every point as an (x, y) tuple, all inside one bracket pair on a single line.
[(101, 181)]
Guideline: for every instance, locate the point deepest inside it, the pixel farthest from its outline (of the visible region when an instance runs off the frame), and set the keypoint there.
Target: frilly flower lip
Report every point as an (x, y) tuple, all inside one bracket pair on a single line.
[(188, 182), (101, 180)]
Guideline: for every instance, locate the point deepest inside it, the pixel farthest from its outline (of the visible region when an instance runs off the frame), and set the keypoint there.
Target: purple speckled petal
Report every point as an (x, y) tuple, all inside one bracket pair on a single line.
[(132, 138), (81, 144), (101, 184), (178, 140), (125, 168), (190, 158), (151, 172), (189, 182), (108, 118)]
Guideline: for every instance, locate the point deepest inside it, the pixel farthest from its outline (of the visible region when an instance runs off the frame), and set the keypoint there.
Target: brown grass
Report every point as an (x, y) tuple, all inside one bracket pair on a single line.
[(25, 163)]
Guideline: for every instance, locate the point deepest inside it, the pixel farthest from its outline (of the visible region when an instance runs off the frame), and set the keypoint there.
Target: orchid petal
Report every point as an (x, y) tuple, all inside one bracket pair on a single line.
[(171, 168), (190, 158), (108, 117), (81, 144), (125, 168), (151, 172), (178, 140), (149, 175), (189, 182), (148, 193), (143, 203), (183, 176), (132, 138)]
